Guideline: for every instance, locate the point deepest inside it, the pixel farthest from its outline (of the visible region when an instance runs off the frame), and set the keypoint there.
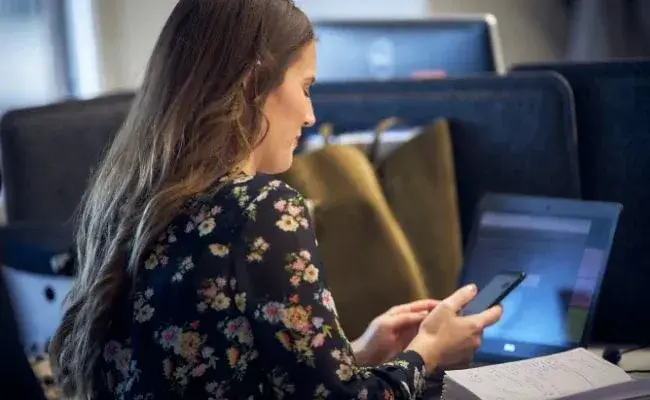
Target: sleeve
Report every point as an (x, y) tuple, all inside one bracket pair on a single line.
[(293, 315)]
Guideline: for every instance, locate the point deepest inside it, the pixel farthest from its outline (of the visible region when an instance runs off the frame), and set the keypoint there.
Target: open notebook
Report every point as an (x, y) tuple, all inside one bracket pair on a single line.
[(572, 375)]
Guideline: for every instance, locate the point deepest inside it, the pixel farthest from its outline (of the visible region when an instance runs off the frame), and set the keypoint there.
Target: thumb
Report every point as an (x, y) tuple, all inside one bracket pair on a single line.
[(486, 318), (457, 300)]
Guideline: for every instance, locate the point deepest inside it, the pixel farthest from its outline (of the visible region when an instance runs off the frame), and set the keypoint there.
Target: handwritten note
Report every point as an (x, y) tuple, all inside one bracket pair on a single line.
[(549, 377)]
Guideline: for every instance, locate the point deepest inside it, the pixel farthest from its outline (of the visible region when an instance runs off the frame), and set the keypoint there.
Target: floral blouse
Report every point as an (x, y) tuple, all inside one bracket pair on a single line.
[(231, 304)]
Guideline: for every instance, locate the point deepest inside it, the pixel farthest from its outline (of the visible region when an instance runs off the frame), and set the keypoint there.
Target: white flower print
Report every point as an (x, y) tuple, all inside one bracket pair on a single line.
[(219, 250), (257, 249), (292, 214), (220, 302), (241, 194), (240, 301), (143, 312), (328, 300), (240, 329), (240, 279), (306, 255), (171, 236), (344, 372), (186, 264), (206, 227), (272, 312), (287, 223), (311, 274), (152, 262)]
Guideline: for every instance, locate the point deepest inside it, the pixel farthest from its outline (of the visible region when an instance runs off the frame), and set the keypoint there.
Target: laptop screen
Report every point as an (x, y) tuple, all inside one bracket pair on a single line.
[(564, 257)]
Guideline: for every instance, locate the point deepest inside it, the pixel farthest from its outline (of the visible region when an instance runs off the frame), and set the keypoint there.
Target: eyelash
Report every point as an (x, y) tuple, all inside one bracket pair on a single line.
[(306, 90)]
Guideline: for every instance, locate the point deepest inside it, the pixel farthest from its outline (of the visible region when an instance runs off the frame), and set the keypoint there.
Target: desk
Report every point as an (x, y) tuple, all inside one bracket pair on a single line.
[(634, 360)]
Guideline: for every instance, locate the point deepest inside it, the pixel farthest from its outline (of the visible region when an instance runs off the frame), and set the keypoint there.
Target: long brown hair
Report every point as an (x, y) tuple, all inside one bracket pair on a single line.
[(197, 116)]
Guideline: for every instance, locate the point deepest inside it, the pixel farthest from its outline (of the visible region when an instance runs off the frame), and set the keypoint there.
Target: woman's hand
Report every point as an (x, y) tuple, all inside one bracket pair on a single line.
[(447, 339), (390, 333)]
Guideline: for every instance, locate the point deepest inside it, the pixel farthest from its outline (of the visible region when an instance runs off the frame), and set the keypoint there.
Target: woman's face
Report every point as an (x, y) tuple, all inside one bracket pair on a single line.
[(288, 109)]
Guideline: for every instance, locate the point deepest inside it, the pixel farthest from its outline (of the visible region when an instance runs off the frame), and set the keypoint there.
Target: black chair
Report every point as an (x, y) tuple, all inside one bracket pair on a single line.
[(513, 134), (17, 379), (612, 103), (48, 155)]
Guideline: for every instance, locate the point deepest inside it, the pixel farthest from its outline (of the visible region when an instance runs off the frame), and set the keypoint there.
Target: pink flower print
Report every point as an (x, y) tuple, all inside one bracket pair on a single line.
[(272, 312), (233, 327), (210, 292), (304, 222), (294, 210), (169, 336), (295, 280), (216, 210), (318, 340), (199, 370), (194, 325), (280, 205), (200, 217), (305, 255), (167, 367), (328, 301), (298, 265)]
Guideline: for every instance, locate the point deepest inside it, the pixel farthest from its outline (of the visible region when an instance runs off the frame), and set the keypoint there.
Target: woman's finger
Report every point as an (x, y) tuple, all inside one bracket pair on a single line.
[(406, 319), (415, 306)]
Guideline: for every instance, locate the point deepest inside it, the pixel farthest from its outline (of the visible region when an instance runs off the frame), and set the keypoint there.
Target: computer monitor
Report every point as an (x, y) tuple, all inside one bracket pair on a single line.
[(352, 50)]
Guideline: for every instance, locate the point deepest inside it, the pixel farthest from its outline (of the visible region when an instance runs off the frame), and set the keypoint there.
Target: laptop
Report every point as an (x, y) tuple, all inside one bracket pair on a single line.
[(563, 246)]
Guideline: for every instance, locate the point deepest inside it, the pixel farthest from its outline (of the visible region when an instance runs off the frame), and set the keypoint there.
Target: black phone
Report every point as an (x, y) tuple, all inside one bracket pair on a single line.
[(494, 292)]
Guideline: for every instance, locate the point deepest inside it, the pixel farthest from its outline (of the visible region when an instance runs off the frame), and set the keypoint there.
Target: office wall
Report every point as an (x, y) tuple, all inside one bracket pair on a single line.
[(531, 30), (127, 33)]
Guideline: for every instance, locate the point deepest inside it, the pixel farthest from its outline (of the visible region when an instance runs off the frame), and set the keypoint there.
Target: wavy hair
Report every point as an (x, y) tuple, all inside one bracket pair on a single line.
[(197, 116)]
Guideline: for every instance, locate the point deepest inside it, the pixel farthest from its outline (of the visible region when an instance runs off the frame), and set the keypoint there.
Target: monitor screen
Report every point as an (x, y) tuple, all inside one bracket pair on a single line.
[(401, 50), (564, 258)]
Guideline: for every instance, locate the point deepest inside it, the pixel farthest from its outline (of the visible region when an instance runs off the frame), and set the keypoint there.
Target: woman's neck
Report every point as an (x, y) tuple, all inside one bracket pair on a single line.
[(248, 166)]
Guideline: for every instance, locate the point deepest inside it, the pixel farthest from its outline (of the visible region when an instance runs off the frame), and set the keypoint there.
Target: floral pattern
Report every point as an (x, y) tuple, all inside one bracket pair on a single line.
[(230, 303)]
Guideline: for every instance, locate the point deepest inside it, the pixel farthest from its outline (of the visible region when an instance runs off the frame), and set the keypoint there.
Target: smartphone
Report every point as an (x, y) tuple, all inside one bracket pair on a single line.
[(494, 292)]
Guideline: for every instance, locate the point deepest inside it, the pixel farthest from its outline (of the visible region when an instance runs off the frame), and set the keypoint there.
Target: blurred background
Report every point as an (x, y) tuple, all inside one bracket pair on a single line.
[(54, 49)]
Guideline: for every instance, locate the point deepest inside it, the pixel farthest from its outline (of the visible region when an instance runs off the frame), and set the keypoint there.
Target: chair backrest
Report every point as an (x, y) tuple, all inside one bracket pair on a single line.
[(509, 134), (48, 154), (612, 103)]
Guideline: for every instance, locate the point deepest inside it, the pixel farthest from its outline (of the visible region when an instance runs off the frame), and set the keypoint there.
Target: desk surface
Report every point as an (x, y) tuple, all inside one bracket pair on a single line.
[(634, 360)]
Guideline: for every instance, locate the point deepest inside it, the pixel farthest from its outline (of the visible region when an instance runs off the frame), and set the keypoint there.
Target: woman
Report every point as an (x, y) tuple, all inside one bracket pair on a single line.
[(199, 274)]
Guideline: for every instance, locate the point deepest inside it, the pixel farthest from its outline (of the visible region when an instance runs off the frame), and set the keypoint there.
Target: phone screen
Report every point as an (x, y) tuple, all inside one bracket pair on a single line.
[(494, 292)]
